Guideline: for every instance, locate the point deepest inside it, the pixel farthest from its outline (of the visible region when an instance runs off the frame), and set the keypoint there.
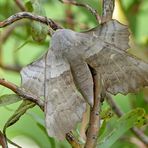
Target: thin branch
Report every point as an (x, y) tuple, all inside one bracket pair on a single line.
[(69, 18), (22, 93), (22, 15), (5, 34), (3, 141), (94, 123), (117, 110), (13, 143), (89, 8), (10, 68), (20, 5), (140, 135), (113, 105)]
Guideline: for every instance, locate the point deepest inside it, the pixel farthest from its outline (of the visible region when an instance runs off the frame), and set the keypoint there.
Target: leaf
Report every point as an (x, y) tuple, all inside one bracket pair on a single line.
[(9, 99), (141, 121), (122, 125), (25, 105), (102, 128), (106, 114), (29, 6), (38, 30)]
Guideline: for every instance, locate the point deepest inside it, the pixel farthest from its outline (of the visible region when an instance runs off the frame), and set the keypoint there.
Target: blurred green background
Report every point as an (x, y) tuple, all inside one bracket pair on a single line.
[(20, 49)]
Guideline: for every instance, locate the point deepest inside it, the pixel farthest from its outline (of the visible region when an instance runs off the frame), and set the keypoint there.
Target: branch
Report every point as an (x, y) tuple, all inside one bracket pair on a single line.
[(10, 67), (89, 8), (22, 93), (117, 110), (22, 15), (3, 141), (20, 5), (94, 123)]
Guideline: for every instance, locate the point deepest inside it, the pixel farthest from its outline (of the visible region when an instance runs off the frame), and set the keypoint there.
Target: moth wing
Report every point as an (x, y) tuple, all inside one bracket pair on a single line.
[(64, 105), (33, 77), (120, 71)]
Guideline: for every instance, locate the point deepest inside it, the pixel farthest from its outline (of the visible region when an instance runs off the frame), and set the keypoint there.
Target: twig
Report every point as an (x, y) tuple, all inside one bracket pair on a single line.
[(69, 18), (3, 141), (5, 34), (20, 5), (30, 16), (22, 93), (10, 67), (13, 143), (117, 110), (113, 105), (89, 8), (3, 37), (140, 135), (94, 123)]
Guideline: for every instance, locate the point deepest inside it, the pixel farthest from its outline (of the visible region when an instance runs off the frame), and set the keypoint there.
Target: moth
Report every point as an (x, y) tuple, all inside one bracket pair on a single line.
[(62, 75)]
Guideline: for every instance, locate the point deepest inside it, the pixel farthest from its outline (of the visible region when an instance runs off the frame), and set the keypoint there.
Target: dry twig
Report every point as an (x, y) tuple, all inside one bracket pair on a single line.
[(20, 5), (22, 15), (119, 113), (3, 141), (89, 8), (3, 38), (94, 123), (22, 93), (10, 67)]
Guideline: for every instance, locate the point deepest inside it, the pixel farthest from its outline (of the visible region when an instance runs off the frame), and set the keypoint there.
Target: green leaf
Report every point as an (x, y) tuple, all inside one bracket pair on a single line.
[(25, 105), (29, 6), (9, 99), (106, 114), (38, 30), (102, 128), (121, 126)]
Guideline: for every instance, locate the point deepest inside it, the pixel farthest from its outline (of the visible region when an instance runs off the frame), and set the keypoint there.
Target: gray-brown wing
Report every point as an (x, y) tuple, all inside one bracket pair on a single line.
[(64, 105), (33, 77), (120, 71), (83, 79), (69, 44), (111, 32)]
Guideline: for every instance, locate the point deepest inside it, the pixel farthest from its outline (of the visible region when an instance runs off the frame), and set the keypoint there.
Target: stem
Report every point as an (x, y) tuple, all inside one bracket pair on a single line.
[(30, 16), (89, 8), (94, 123), (22, 93), (3, 141), (10, 68), (20, 5)]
